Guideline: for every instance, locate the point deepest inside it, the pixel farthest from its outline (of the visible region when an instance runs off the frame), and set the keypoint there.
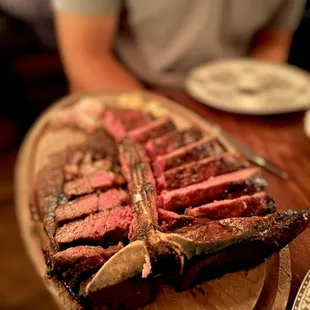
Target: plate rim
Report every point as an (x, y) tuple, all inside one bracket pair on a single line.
[(194, 90)]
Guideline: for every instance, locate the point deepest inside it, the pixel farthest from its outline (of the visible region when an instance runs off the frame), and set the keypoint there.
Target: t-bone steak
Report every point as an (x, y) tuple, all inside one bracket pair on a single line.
[(143, 201)]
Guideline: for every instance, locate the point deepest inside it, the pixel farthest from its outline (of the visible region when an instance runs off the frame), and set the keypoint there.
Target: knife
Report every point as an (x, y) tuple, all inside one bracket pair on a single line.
[(249, 153)]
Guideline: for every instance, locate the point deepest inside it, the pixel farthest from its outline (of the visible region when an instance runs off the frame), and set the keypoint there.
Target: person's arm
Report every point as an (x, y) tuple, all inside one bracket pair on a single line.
[(272, 46), (85, 43), (274, 41)]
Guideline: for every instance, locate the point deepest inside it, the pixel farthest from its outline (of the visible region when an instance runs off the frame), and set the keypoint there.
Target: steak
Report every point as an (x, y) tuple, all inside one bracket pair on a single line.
[(192, 152), (152, 130), (171, 141), (171, 220), (108, 225), (98, 180), (75, 264), (130, 119), (49, 188), (114, 126), (257, 204), (237, 183), (107, 236), (89, 204), (112, 198), (212, 249), (74, 255), (199, 171)]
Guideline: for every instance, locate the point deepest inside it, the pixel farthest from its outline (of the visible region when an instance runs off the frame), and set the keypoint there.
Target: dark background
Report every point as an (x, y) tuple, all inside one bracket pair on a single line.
[(31, 78)]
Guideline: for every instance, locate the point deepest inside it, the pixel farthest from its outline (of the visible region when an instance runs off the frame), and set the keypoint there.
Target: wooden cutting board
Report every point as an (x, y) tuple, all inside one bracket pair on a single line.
[(264, 287)]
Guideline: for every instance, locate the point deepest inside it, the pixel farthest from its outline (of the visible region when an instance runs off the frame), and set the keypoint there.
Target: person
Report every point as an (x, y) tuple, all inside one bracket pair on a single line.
[(114, 44)]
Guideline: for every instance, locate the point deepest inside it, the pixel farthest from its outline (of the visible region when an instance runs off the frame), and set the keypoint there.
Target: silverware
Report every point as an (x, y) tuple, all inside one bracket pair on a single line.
[(250, 154)]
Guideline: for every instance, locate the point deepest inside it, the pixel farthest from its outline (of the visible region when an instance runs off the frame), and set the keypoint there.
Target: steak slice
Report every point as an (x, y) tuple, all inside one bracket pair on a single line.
[(49, 187), (102, 180), (76, 209), (199, 171), (67, 258), (112, 198), (137, 170), (114, 126), (171, 220), (152, 130), (233, 184), (257, 204), (108, 225), (192, 152), (172, 141), (77, 263), (90, 204), (132, 119), (225, 245)]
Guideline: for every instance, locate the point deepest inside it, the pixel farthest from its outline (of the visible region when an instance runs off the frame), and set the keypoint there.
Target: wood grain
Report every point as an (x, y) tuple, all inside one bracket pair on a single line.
[(242, 290), (281, 139)]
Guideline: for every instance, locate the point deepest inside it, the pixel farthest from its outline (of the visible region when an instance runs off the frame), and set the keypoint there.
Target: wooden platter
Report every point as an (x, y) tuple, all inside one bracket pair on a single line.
[(264, 287)]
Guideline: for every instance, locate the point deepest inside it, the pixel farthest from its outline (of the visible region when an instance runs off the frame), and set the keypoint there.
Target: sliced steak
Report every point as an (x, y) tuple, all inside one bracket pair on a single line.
[(199, 171), (137, 170), (170, 220), (212, 249), (49, 188), (114, 126), (152, 130), (192, 152), (171, 141), (76, 209), (90, 204), (108, 225), (233, 184), (82, 253), (112, 198), (102, 180), (98, 165), (134, 119), (75, 264), (71, 168), (105, 180), (257, 204)]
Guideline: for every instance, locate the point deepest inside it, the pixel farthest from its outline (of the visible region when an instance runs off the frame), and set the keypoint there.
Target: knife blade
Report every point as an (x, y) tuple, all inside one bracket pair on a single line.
[(250, 154)]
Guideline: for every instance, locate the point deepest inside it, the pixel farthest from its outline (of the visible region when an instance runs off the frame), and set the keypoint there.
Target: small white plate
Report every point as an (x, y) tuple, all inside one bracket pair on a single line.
[(249, 86)]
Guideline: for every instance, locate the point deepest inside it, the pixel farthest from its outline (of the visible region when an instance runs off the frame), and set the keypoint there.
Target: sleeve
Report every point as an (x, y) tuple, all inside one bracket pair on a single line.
[(89, 7), (288, 15)]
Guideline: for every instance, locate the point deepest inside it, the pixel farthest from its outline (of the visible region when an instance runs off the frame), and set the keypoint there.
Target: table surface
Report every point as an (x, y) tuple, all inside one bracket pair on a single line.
[(281, 139)]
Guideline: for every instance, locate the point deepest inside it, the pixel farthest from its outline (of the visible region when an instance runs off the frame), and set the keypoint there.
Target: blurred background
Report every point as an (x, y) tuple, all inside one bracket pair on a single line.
[(31, 78)]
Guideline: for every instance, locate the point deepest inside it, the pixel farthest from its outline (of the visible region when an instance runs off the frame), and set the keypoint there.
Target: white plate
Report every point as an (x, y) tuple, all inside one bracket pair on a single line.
[(250, 87)]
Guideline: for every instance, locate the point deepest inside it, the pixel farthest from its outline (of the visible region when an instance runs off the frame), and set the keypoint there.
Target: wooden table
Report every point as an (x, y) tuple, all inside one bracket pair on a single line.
[(281, 139)]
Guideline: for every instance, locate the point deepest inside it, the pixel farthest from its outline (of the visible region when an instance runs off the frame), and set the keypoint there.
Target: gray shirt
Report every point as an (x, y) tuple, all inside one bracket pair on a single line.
[(161, 40)]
